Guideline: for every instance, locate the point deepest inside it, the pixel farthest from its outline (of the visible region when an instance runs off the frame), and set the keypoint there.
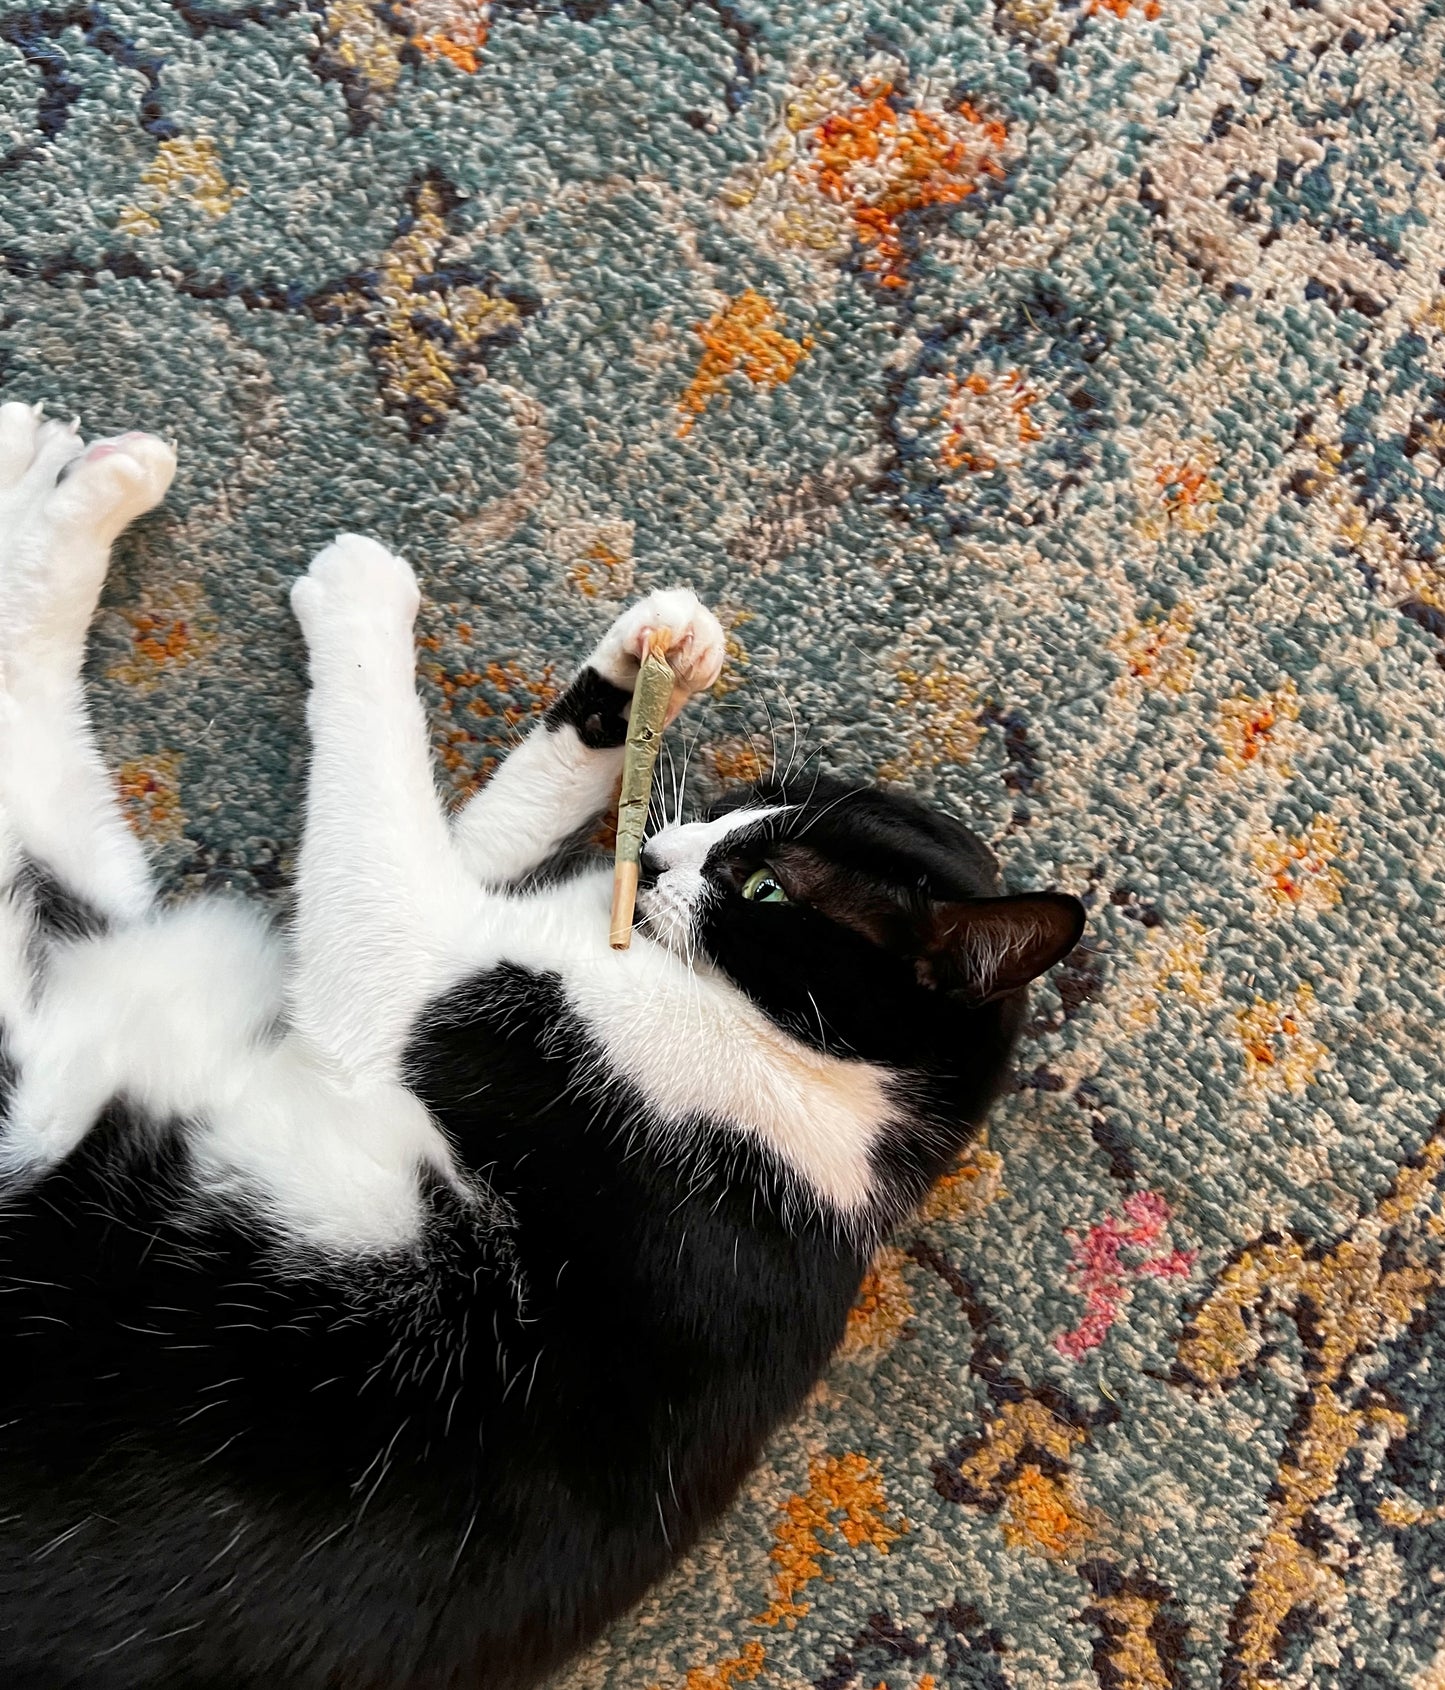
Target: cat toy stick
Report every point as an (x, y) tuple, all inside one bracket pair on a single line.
[(655, 682)]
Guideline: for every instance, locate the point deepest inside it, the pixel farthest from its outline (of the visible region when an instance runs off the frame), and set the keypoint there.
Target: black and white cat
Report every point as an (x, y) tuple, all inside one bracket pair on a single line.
[(389, 1302)]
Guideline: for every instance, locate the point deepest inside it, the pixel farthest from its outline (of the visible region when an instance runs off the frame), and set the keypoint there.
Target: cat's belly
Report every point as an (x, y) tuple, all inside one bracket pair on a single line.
[(167, 1015), (182, 1019)]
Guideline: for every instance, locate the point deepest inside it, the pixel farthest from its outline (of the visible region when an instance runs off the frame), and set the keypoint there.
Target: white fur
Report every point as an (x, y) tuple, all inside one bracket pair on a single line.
[(379, 888), (550, 786), (56, 802), (57, 793), (333, 1165), (553, 784), (54, 545), (721, 1058), (15, 966), (671, 908), (164, 1014), (177, 1013)]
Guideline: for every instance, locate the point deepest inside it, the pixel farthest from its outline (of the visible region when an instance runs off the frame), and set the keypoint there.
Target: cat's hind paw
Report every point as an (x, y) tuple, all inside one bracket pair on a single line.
[(61, 505), (53, 485), (112, 482), (33, 453)]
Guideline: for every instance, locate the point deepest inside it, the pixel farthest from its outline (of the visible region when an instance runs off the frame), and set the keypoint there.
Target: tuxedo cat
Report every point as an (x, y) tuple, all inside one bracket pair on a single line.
[(389, 1301)]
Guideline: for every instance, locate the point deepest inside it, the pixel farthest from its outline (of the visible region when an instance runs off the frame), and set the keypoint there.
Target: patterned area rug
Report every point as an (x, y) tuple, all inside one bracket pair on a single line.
[(1051, 395)]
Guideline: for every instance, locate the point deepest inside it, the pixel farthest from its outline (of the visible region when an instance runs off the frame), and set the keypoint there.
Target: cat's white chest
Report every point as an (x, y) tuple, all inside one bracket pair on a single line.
[(693, 1045)]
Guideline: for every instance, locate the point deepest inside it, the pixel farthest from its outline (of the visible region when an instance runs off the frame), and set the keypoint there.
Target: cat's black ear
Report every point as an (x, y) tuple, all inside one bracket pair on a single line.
[(985, 948)]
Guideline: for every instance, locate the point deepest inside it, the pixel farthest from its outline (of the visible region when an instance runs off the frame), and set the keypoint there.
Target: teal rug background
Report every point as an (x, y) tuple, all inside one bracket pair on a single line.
[(1051, 396)]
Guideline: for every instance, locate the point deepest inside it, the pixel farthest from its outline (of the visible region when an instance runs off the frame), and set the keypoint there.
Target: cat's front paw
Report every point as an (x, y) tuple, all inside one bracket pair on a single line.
[(354, 583), (696, 644)]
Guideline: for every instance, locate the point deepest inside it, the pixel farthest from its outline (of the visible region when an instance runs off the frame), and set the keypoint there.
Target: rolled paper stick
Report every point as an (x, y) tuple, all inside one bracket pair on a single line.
[(655, 682)]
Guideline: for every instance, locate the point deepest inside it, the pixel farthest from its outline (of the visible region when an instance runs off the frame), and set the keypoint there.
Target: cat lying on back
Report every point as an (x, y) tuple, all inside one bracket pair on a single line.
[(393, 1301)]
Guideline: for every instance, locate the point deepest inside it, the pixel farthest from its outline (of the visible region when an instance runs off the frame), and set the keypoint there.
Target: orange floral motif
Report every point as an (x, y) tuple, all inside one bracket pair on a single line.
[(1252, 728), (743, 1668), (742, 337), (1039, 1516), (988, 418), (455, 30), (851, 167), (1278, 1048), (844, 1499), (1121, 8), (969, 1188), (1187, 492), (883, 1307), (367, 42), (171, 627), (946, 710), (1177, 488), (885, 161), (474, 693), (161, 638), (150, 789), (1158, 652), (597, 570), (1299, 867), (737, 760)]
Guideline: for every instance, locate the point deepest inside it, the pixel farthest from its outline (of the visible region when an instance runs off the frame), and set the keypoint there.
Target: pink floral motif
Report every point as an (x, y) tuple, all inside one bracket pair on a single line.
[(1104, 1275)]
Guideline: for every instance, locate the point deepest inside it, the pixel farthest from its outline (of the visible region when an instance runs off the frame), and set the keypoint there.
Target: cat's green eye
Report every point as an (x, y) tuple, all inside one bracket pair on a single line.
[(762, 887)]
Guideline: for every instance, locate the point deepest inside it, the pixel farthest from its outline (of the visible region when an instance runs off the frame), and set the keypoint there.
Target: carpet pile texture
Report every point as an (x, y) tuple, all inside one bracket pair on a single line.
[(1050, 394)]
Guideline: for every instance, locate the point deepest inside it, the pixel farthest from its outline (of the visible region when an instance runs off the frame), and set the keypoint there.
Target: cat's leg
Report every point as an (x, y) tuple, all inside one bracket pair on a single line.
[(564, 774), (61, 507), (381, 895), (68, 861)]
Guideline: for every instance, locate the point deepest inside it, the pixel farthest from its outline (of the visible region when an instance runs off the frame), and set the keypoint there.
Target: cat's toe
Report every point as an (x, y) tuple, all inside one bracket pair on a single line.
[(19, 426), (697, 658), (33, 451), (114, 481), (696, 643)]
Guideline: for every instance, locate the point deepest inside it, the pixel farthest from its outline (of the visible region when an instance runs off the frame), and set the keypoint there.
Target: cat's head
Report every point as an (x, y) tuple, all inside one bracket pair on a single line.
[(860, 920)]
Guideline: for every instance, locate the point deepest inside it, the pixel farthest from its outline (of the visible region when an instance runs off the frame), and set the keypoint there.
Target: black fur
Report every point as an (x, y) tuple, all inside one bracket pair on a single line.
[(832, 985), (53, 912), (594, 707), (58, 913), (229, 1465)]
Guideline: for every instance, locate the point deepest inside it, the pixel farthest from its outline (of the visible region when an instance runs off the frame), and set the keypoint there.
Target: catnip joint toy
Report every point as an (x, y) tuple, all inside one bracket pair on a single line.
[(644, 735)]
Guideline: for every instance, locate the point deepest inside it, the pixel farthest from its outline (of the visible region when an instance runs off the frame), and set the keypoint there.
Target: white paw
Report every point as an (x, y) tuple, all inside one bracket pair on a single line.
[(19, 425), (113, 482), (355, 580), (33, 452), (61, 506), (696, 645)]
